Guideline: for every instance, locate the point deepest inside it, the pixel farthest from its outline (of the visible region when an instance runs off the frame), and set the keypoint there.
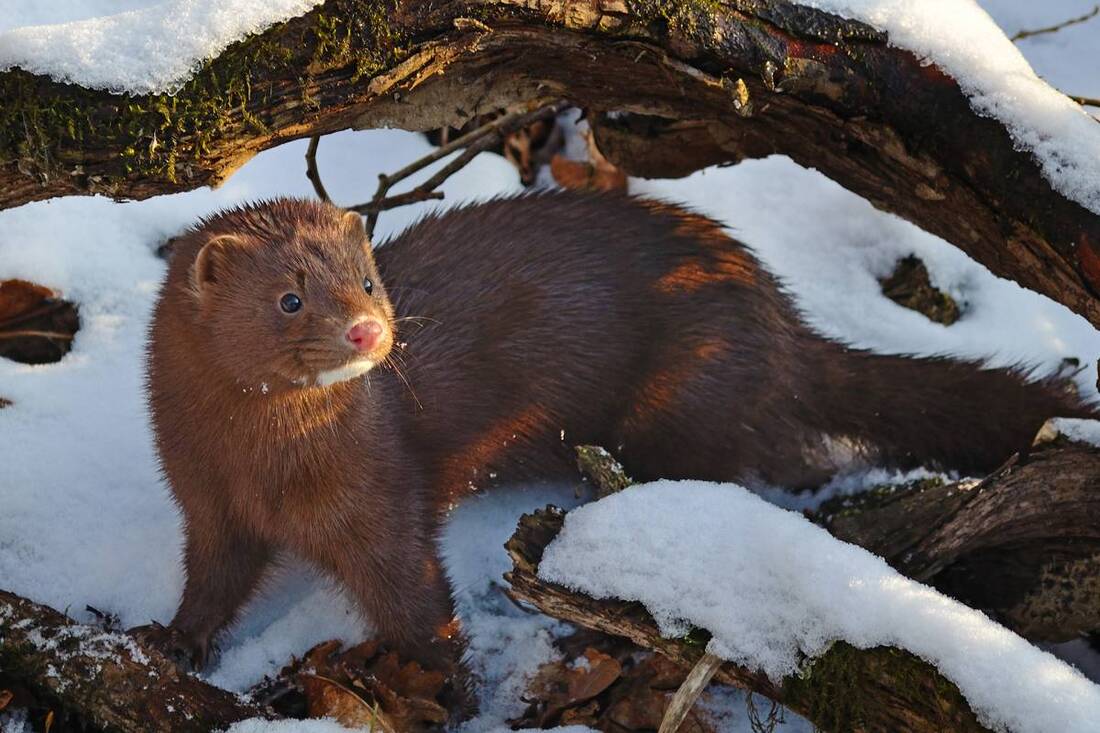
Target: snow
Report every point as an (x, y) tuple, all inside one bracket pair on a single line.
[(1067, 59), (771, 586), (258, 725), (137, 46), (961, 38), (87, 520), (131, 46)]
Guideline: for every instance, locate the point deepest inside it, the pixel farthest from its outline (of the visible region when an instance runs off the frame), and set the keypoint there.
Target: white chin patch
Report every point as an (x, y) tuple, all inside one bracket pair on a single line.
[(344, 373)]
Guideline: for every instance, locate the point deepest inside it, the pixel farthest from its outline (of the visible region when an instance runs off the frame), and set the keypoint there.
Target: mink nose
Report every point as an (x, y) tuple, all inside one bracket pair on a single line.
[(365, 335)]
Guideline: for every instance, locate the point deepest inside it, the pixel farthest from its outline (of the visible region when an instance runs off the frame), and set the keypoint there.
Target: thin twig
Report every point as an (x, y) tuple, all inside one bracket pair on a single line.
[(1020, 35), (475, 142), (1086, 101), (36, 334), (684, 699), (311, 169)]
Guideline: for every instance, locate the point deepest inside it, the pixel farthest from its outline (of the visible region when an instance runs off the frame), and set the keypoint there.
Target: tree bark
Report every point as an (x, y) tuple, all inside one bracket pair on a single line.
[(844, 690), (108, 679), (730, 79), (1023, 544)]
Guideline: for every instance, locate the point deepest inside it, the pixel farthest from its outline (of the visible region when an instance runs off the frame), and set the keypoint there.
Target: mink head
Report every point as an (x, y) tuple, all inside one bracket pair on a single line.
[(288, 292)]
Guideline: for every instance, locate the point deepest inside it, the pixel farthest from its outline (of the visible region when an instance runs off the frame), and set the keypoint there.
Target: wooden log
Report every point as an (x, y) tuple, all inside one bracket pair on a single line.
[(846, 689), (108, 679), (739, 79), (1023, 544)]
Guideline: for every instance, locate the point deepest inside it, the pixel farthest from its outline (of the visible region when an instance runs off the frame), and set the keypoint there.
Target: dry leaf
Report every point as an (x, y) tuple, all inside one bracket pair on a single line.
[(363, 686), (585, 715), (597, 174), (36, 327), (329, 699), (5, 698), (614, 688), (586, 683)]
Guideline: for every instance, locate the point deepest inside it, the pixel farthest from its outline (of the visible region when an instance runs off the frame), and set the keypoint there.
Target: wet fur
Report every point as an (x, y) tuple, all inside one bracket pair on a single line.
[(605, 319)]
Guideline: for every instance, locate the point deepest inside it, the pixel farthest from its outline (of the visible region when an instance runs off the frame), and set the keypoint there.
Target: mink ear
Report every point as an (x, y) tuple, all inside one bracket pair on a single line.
[(353, 224), (212, 262)]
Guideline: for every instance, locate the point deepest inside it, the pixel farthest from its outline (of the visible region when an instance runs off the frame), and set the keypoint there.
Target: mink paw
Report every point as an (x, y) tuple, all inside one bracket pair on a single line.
[(186, 652)]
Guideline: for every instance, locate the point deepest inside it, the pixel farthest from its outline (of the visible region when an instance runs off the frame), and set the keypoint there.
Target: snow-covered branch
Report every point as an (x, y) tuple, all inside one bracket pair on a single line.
[(1005, 174), (107, 678)]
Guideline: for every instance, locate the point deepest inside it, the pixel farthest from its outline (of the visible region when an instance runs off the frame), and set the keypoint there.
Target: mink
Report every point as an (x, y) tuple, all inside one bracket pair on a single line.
[(312, 394)]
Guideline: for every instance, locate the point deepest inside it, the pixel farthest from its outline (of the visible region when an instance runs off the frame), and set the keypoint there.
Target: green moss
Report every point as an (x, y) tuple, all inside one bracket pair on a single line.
[(689, 17), (833, 692), (873, 498), (48, 128)]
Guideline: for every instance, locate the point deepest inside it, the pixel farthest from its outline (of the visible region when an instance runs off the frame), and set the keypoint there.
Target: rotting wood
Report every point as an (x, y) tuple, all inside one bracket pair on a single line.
[(748, 79), (1022, 545)]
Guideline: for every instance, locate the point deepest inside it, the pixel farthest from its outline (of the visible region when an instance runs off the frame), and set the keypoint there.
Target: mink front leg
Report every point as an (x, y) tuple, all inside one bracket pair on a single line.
[(393, 572), (224, 563)]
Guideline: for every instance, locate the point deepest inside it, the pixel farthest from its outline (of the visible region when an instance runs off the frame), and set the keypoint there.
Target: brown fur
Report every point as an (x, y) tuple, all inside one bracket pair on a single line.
[(631, 324)]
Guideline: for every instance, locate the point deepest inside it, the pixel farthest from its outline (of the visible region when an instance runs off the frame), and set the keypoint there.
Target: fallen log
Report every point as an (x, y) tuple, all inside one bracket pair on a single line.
[(1023, 544), (844, 690), (108, 679), (736, 79)]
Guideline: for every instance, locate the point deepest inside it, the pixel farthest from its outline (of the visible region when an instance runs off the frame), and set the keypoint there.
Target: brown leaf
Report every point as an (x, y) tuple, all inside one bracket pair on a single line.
[(642, 708), (597, 174), (660, 672), (36, 327), (328, 698), (5, 698), (584, 715), (586, 683), (408, 713)]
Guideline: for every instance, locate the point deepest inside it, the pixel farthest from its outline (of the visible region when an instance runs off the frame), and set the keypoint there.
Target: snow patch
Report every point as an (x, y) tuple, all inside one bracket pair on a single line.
[(771, 586), (961, 38), (142, 50)]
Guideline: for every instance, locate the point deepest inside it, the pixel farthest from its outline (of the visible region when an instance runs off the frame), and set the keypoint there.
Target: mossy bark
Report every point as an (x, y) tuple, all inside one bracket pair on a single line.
[(846, 690), (730, 78)]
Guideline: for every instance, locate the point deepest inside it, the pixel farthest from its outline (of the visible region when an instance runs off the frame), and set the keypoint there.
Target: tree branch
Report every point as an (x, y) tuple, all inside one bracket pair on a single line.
[(1022, 34), (1022, 544), (108, 679), (846, 689), (747, 80)]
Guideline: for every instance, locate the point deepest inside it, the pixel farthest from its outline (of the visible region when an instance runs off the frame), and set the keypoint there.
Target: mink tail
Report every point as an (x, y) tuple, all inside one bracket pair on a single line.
[(938, 411)]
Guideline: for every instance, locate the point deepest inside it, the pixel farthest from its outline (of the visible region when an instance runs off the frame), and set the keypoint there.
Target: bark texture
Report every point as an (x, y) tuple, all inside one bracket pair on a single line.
[(845, 690), (1023, 544), (725, 79), (107, 679)]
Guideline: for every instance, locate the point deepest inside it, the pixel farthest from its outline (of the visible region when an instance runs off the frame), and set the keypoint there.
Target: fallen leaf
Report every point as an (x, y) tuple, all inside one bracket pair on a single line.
[(595, 174), (5, 698), (36, 327), (587, 682), (329, 699)]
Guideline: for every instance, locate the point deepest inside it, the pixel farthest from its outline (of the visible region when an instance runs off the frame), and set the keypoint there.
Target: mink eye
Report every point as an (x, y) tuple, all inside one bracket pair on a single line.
[(290, 303), (368, 285)]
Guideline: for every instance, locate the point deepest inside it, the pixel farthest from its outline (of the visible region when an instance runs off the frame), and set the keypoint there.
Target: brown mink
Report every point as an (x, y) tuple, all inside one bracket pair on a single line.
[(297, 406)]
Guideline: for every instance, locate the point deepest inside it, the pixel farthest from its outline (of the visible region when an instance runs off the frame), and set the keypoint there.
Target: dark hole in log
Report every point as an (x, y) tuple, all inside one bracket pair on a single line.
[(36, 325), (911, 287)]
